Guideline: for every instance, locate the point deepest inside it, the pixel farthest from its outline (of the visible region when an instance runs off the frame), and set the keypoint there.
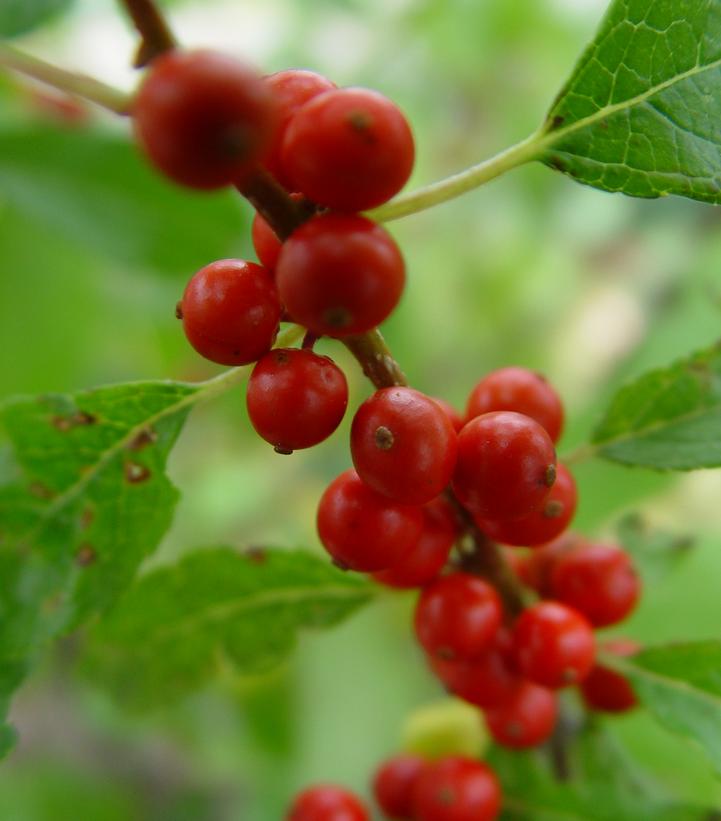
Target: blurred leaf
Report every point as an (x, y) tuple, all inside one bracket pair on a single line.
[(96, 189), (91, 502), (641, 111), (669, 418), (21, 16), (603, 787), (8, 737), (680, 684), (655, 552), (167, 635)]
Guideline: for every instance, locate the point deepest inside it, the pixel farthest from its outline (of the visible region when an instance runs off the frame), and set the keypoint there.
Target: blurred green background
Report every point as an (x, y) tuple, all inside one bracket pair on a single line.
[(534, 270)]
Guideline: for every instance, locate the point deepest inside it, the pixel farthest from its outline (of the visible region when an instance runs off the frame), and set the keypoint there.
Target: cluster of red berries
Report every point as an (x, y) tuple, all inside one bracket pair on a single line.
[(424, 475)]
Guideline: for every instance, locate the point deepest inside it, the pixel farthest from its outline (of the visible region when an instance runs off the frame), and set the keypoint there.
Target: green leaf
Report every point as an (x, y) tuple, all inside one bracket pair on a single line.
[(656, 552), (603, 785), (97, 190), (680, 684), (177, 624), (87, 501), (641, 113), (668, 419), (21, 16)]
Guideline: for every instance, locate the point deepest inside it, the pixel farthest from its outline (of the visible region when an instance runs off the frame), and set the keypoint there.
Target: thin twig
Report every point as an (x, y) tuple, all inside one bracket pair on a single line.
[(68, 81), (153, 28)]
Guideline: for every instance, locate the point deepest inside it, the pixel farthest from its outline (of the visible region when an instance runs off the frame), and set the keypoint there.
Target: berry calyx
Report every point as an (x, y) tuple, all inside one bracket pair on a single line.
[(553, 645), (296, 398), (230, 312), (340, 274), (422, 564), (522, 391), (326, 802), (348, 149), (204, 118), (525, 719), (599, 581), (292, 89), (506, 466), (394, 783), (363, 530), (457, 617), (542, 525), (457, 789), (605, 689), (403, 445)]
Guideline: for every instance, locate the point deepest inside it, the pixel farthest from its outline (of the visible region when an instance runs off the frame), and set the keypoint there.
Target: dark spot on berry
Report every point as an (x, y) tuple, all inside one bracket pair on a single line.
[(446, 796), (384, 438), (362, 123), (135, 473), (549, 476), (337, 317), (281, 357), (284, 451), (553, 509)]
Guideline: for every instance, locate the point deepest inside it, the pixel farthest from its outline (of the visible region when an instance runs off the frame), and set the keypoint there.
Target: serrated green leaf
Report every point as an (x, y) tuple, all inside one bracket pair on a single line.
[(667, 419), (680, 684), (641, 113), (21, 16), (169, 633), (655, 552), (96, 189), (91, 500)]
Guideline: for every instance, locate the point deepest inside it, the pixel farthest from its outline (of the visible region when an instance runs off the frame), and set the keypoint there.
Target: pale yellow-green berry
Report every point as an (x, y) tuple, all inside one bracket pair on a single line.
[(446, 727)]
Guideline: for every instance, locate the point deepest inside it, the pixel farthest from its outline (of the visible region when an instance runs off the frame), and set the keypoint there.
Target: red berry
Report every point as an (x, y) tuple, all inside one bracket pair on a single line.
[(606, 690), (598, 580), (204, 118), (522, 391), (457, 616), (327, 803), (394, 783), (426, 560), (363, 530), (349, 149), (340, 274), (484, 681), (457, 789), (525, 719), (296, 398), (292, 89), (403, 445), (542, 525), (506, 466), (230, 312), (537, 567), (456, 419), (553, 644)]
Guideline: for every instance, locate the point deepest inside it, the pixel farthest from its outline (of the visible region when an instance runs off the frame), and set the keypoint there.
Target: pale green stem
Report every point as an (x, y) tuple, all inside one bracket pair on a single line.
[(452, 187), (580, 455), (79, 84)]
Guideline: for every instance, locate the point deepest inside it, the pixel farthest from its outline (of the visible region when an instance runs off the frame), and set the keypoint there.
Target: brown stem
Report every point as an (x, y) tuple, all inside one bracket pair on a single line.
[(375, 358), (152, 26), (283, 213)]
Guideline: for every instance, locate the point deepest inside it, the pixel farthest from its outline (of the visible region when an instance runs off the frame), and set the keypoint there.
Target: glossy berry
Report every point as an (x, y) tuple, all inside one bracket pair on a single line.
[(394, 783), (266, 243), (553, 645), (204, 118), (525, 719), (606, 690), (506, 466), (544, 524), (422, 564), (457, 789), (230, 312), (292, 89), (348, 149), (599, 581), (363, 530), (456, 419), (485, 681), (296, 398), (522, 391), (327, 802), (403, 445), (457, 616), (340, 274), (536, 568)]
